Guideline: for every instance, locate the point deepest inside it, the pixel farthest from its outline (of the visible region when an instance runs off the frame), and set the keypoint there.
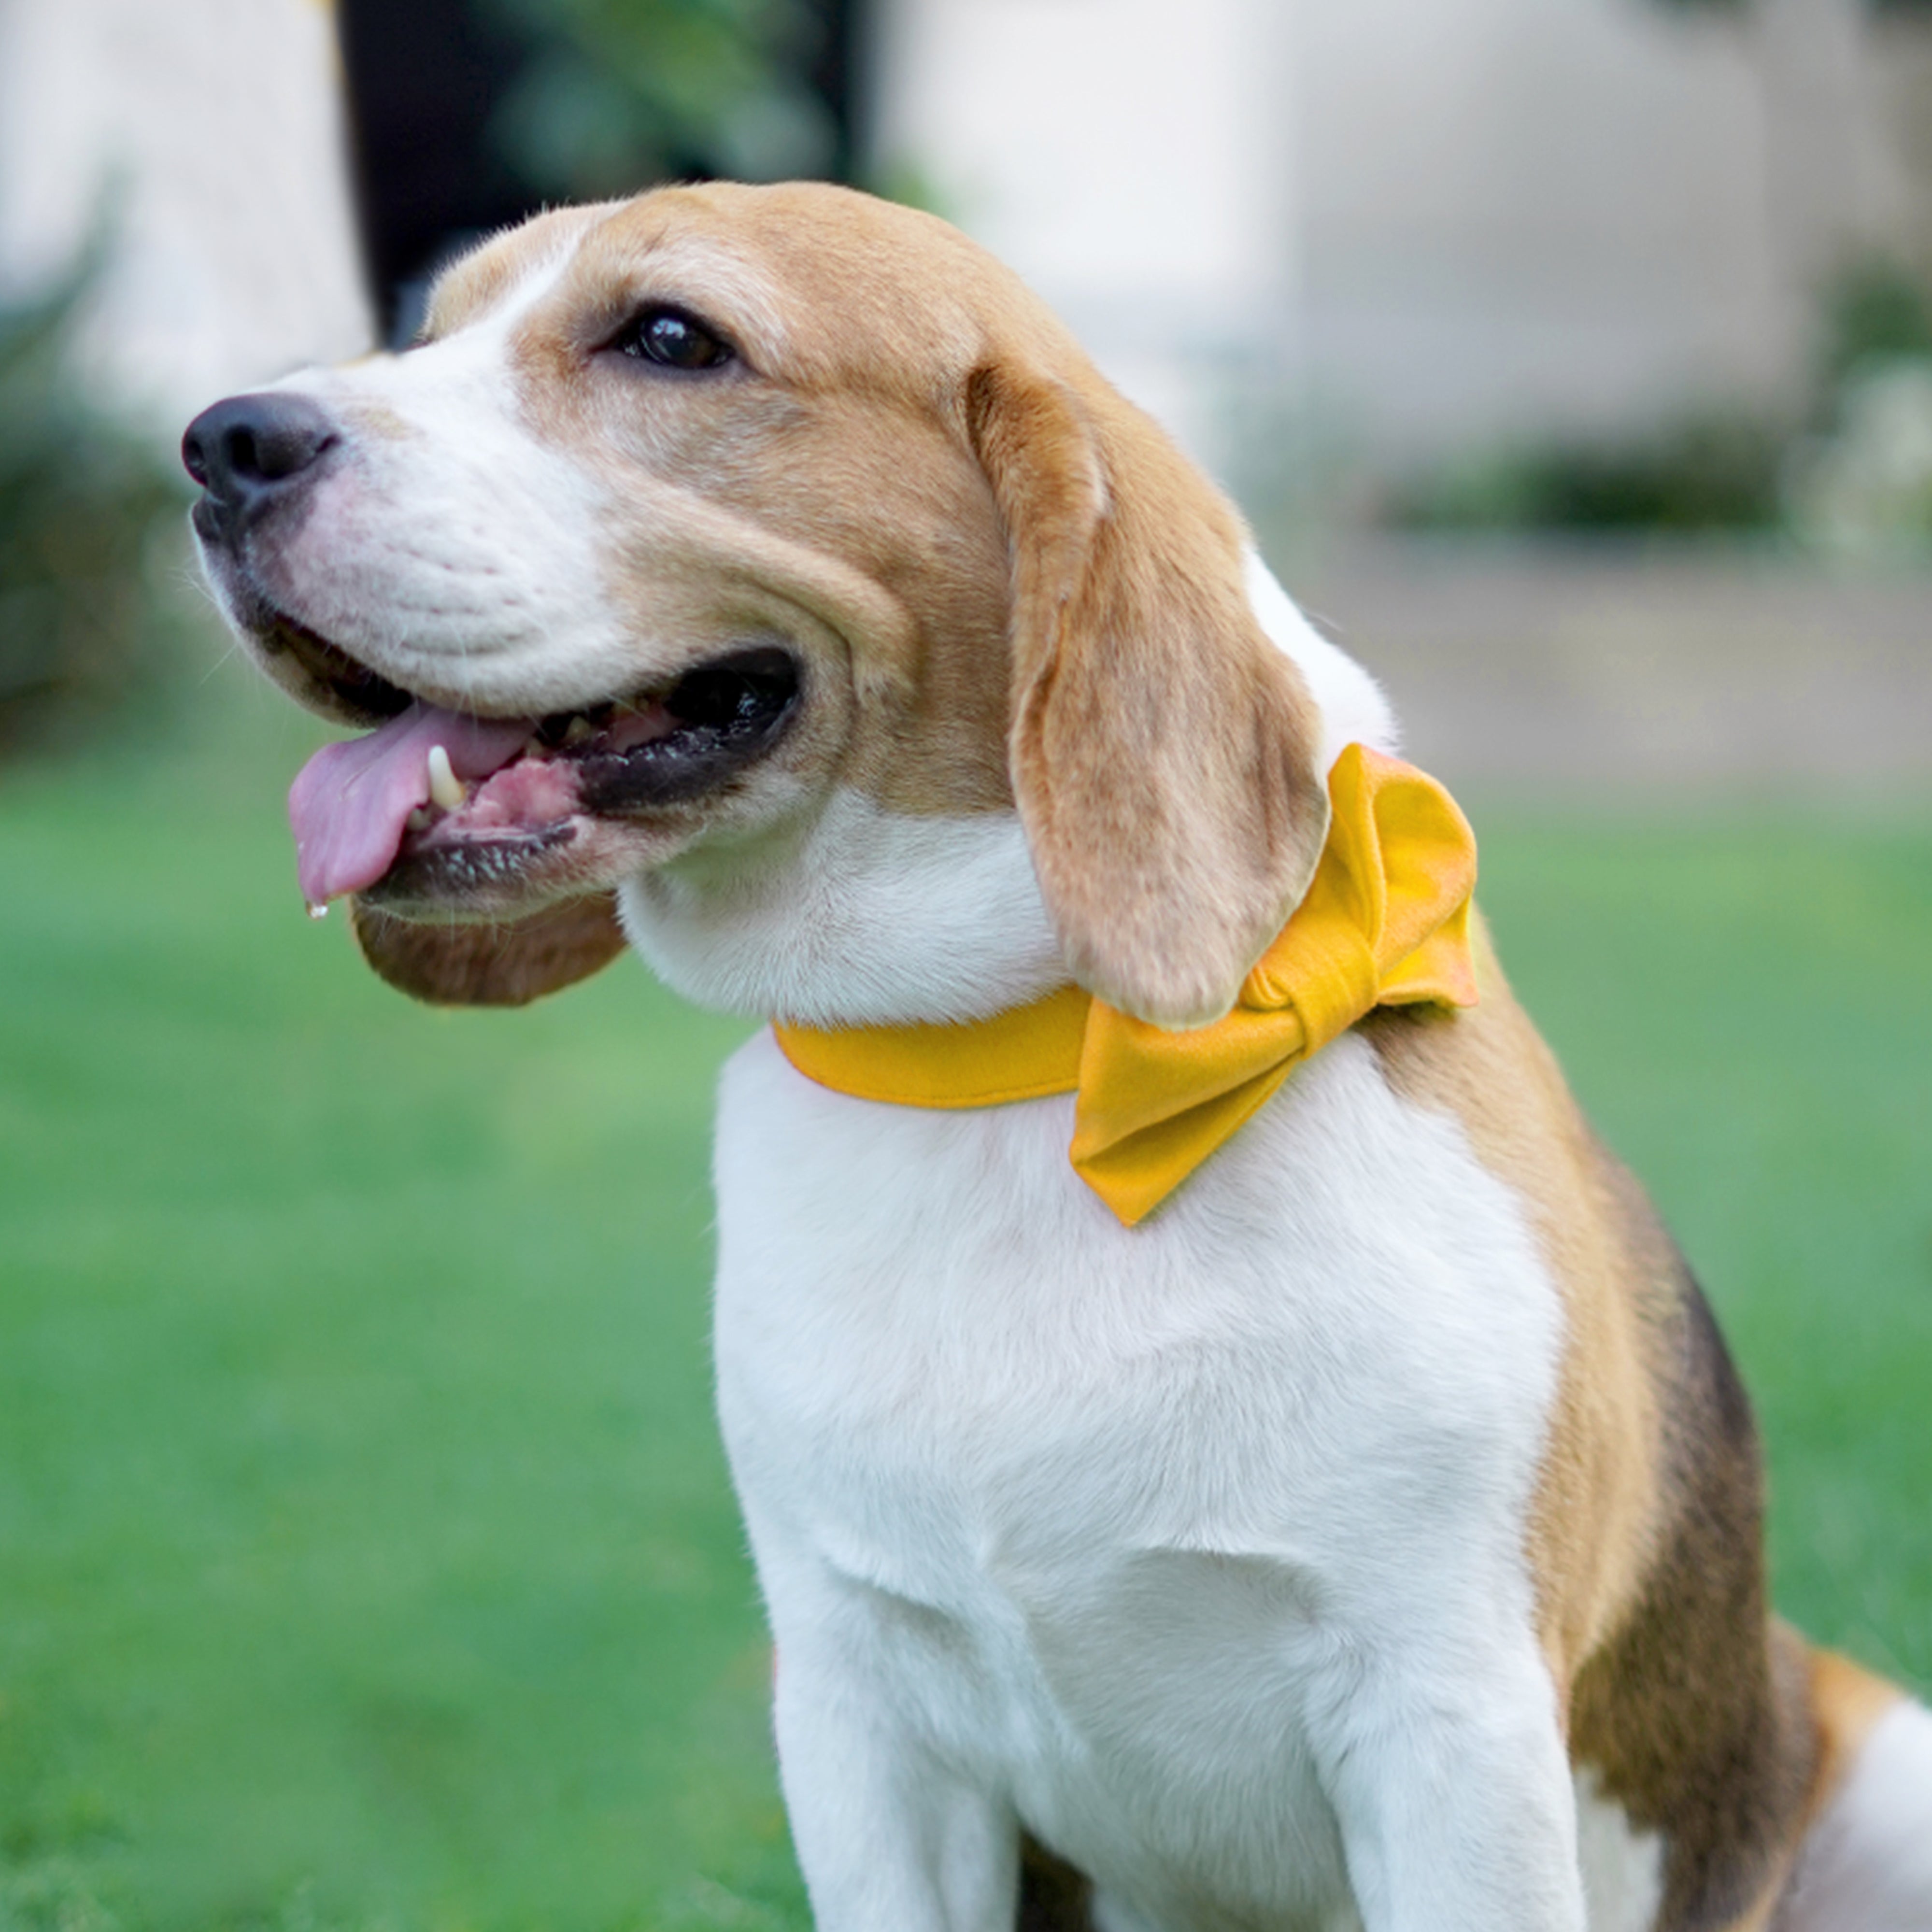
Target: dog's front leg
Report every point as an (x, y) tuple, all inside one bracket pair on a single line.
[(1455, 1800), (890, 1839)]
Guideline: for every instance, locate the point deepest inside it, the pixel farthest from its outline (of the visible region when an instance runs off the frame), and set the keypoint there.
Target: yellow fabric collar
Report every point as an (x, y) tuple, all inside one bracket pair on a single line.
[(1385, 923)]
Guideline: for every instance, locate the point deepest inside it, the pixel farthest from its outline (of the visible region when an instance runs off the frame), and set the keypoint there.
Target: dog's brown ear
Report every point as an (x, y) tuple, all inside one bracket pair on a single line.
[(1163, 751), (508, 964)]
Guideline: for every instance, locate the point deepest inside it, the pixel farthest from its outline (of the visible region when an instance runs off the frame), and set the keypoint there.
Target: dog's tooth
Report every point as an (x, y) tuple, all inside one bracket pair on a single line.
[(318, 909), (419, 820), (579, 728), (445, 787)]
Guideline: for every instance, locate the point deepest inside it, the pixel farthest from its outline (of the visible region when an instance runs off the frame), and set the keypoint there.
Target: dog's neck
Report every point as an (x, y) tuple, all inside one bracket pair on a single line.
[(866, 917), (863, 916)]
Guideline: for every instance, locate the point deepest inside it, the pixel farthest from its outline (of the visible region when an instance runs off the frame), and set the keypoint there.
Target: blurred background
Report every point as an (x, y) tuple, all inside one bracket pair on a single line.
[(366, 1557)]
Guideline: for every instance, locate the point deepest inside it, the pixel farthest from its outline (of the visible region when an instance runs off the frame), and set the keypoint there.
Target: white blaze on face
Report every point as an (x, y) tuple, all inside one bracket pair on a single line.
[(448, 544)]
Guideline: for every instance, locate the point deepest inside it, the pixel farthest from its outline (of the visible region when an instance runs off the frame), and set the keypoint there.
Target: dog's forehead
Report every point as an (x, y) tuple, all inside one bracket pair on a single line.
[(493, 275), (820, 277)]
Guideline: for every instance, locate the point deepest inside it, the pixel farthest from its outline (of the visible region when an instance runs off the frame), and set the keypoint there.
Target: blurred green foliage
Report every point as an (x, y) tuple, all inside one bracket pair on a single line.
[(1875, 311), (615, 92), (84, 506), (1710, 472), (1860, 485)]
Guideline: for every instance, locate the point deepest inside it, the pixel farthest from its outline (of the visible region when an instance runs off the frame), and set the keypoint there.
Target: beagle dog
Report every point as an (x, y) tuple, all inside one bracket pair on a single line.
[(1369, 1536)]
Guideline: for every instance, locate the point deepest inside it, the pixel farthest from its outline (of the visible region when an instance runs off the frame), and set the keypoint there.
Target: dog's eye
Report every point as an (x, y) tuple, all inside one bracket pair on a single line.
[(672, 338)]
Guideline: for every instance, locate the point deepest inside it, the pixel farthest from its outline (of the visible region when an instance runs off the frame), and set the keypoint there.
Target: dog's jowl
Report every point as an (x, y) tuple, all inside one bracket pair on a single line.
[(1225, 1448)]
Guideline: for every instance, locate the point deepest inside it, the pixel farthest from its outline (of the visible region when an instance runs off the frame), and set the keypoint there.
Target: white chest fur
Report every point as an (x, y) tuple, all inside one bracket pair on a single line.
[(1158, 1540)]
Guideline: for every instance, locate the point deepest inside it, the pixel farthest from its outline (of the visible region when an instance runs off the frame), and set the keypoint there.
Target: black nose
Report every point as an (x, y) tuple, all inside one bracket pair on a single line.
[(247, 452)]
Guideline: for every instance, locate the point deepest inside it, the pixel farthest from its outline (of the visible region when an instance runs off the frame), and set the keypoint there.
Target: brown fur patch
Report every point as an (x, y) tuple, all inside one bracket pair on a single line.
[(1590, 1531), (1696, 1712), (1646, 1542)]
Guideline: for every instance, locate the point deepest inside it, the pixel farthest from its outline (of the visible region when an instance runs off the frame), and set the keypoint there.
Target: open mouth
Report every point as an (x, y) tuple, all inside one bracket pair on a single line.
[(435, 806)]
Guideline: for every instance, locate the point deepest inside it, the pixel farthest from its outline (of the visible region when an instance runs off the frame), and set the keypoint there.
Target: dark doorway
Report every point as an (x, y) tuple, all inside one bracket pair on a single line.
[(429, 84)]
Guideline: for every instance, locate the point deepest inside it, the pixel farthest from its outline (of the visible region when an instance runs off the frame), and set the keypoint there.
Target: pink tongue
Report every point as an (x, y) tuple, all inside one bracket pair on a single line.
[(349, 804)]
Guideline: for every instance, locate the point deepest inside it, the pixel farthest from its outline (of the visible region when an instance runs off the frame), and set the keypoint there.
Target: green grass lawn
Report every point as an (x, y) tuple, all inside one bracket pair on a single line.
[(366, 1554)]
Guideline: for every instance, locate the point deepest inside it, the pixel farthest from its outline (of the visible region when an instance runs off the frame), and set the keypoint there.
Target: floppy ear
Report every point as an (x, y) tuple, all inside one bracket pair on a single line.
[(505, 965), (1163, 749)]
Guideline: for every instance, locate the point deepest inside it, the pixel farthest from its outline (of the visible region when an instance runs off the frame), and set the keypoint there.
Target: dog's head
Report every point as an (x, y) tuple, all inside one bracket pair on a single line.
[(707, 512)]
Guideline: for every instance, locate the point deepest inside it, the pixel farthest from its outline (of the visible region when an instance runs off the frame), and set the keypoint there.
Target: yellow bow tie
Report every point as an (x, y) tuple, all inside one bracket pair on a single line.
[(1385, 923)]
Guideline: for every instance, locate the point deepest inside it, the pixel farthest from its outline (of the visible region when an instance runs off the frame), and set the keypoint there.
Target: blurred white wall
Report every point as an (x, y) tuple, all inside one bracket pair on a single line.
[(1132, 159), (1433, 222), (208, 135)]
